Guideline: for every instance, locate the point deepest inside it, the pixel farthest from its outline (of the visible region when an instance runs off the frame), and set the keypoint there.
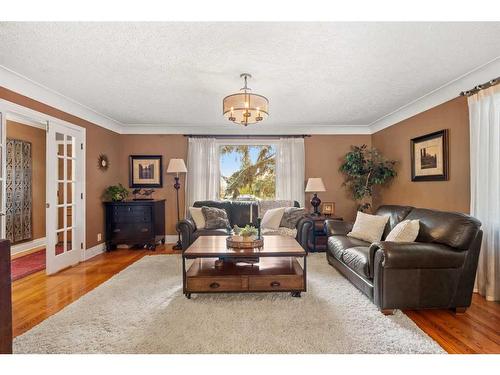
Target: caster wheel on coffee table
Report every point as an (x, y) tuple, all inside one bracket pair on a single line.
[(296, 294)]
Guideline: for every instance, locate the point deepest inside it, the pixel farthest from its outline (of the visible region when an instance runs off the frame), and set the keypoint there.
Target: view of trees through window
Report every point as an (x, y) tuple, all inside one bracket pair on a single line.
[(247, 172)]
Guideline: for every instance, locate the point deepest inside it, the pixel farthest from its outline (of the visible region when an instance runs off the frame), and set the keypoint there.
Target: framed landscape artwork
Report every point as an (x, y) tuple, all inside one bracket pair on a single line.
[(429, 157), (328, 208), (145, 171)]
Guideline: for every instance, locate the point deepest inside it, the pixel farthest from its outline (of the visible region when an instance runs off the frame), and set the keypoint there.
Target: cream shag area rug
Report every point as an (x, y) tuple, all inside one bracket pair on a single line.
[(143, 310)]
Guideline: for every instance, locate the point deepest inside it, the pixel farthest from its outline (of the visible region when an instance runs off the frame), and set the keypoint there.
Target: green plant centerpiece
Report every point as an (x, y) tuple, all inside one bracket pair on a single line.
[(115, 193), (364, 168), (248, 232)]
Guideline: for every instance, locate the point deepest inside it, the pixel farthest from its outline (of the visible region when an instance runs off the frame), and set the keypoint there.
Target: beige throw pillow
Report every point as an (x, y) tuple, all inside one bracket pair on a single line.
[(272, 218), (406, 231), (368, 227), (197, 216)]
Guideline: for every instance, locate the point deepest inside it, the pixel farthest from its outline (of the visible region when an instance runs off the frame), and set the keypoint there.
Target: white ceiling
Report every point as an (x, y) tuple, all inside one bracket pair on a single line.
[(174, 75)]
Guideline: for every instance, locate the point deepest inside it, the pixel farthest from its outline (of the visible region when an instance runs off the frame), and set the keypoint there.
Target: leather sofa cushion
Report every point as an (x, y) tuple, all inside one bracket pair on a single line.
[(224, 205), (413, 255), (396, 215), (338, 244), (240, 213), (454, 229), (357, 259)]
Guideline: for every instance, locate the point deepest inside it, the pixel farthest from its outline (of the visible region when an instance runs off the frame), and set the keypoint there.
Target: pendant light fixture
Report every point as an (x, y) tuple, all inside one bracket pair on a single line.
[(244, 107)]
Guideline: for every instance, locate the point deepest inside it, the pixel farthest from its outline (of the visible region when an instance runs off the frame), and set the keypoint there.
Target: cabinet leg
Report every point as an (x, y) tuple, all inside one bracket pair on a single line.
[(188, 295), (296, 294), (387, 311), (459, 310)]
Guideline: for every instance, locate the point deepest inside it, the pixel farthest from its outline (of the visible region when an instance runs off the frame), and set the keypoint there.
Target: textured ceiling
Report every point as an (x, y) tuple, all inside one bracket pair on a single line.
[(312, 73)]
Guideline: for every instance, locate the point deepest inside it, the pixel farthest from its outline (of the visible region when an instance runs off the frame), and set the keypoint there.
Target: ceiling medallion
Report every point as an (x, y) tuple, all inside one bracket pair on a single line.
[(244, 107)]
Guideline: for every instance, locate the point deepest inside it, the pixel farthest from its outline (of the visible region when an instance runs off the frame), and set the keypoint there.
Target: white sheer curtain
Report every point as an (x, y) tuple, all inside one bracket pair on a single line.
[(290, 169), (203, 170), (484, 117)]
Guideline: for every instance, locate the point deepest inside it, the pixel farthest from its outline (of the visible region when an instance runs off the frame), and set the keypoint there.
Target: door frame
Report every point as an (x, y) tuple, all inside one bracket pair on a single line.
[(16, 112)]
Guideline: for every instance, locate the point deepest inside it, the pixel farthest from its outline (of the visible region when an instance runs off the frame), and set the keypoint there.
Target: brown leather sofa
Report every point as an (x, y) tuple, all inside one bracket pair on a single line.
[(436, 271), (238, 213)]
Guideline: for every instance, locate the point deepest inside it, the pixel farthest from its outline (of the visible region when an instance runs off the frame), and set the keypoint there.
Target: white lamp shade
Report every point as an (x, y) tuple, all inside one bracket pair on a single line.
[(176, 166), (315, 185)]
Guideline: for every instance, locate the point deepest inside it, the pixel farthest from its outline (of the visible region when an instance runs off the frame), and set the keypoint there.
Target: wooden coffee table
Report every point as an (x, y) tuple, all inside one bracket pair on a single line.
[(278, 269)]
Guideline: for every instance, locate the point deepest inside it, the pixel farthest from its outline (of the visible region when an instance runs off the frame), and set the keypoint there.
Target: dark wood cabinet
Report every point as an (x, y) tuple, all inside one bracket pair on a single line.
[(5, 299), (317, 237), (140, 222)]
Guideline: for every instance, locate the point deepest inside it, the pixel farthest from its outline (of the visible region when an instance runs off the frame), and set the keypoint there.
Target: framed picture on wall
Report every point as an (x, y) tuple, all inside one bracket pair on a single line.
[(429, 157), (328, 208), (145, 171)]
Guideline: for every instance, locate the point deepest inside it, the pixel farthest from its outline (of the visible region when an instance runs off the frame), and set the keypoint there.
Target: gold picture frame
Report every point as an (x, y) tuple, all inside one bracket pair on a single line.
[(328, 208)]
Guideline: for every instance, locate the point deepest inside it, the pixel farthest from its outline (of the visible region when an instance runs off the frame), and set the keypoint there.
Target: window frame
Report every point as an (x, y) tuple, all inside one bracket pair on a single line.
[(240, 141)]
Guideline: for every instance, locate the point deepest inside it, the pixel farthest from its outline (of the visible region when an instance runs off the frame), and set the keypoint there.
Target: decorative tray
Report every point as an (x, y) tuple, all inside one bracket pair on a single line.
[(236, 244)]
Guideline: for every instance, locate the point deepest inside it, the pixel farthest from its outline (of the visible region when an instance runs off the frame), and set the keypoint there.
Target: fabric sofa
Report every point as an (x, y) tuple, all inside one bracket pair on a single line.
[(436, 271), (238, 213)]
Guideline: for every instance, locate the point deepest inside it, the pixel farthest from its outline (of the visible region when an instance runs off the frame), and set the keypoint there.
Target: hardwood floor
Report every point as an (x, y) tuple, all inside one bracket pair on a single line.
[(475, 331), (37, 296)]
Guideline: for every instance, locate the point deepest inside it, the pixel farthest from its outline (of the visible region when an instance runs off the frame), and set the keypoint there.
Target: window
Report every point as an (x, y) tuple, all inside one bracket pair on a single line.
[(247, 172)]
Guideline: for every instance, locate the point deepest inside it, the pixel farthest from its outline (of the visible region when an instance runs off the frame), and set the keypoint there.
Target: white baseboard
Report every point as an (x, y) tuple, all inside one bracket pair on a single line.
[(93, 251), (27, 246), (171, 238)]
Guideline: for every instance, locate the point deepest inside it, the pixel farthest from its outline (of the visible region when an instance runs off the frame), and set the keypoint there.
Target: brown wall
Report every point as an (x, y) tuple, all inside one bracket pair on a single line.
[(99, 140), (169, 146), (394, 143), (36, 137), (323, 158), (324, 155)]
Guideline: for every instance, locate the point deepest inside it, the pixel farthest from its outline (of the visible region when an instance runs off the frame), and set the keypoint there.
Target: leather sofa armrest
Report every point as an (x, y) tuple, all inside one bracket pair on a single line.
[(304, 227), (337, 227), (186, 227), (413, 255)]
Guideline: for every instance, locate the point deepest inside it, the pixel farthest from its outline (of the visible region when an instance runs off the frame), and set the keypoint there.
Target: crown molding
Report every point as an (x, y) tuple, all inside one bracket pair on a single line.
[(292, 129), (27, 87), (442, 94)]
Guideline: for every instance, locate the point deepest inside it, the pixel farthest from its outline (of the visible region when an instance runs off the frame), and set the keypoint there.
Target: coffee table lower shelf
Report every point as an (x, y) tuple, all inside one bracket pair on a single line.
[(271, 274)]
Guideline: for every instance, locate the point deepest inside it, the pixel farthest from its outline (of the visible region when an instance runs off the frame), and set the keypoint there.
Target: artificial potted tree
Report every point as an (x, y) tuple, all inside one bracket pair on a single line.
[(364, 168)]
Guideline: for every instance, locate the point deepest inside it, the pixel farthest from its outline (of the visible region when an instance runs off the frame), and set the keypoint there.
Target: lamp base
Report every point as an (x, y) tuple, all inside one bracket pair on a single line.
[(315, 202)]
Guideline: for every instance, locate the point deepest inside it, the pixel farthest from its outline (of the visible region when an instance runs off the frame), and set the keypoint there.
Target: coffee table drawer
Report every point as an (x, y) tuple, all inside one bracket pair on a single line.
[(278, 282), (217, 284)]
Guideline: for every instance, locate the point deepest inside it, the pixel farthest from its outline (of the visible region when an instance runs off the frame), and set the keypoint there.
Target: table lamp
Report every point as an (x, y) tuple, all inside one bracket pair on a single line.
[(315, 185)]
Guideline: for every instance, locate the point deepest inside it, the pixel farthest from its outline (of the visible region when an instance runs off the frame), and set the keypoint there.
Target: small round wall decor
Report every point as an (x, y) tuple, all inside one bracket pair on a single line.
[(103, 162)]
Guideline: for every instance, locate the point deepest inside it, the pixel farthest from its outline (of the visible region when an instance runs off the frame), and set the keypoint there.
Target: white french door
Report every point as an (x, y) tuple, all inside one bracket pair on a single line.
[(2, 174), (65, 176)]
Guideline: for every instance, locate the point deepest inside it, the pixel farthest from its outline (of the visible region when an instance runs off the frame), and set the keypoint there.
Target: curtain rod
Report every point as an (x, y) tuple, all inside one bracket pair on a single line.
[(478, 88), (227, 136)]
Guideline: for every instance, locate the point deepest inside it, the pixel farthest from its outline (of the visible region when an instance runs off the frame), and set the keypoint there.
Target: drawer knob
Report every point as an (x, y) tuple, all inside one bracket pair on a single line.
[(144, 230), (116, 230), (275, 284), (214, 285)]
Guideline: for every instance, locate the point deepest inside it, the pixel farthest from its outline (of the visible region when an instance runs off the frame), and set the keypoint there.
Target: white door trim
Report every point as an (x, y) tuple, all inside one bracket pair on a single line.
[(17, 112)]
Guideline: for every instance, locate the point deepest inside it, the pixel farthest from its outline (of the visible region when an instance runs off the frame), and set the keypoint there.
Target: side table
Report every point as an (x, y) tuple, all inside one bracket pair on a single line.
[(317, 239)]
